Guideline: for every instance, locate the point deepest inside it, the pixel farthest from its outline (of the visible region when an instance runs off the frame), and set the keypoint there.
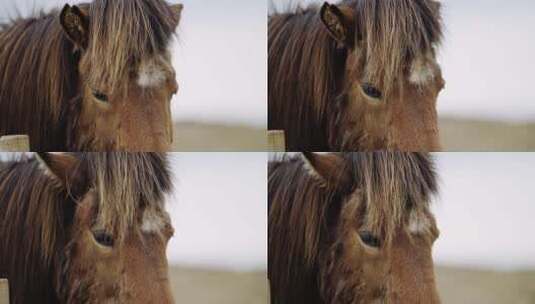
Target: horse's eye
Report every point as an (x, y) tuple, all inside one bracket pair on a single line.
[(103, 238), (371, 91), (369, 239), (100, 96)]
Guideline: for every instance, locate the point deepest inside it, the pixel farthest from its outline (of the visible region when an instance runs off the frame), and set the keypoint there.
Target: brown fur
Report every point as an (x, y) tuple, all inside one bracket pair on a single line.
[(48, 218), (47, 78), (316, 254), (315, 81)]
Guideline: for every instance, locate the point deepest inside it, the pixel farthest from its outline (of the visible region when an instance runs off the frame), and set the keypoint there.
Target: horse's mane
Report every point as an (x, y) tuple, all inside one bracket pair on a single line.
[(303, 210), (34, 212), (31, 219), (37, 78), (39, 72), (302, 63), (306, 65)]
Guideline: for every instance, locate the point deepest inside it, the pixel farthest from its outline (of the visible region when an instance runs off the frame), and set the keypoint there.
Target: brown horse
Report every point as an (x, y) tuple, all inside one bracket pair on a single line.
[(352, 228), (358, 76), (85, 228), (93, 77)]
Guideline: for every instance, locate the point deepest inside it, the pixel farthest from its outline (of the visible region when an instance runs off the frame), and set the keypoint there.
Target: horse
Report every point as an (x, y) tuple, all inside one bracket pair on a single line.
[(85, 228), (92, 77), (351, 228), (361, 75)]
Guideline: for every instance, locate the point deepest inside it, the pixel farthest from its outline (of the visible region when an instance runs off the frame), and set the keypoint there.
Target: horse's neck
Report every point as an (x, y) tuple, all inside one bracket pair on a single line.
[(302, 136), (312, 141), (303, 292)]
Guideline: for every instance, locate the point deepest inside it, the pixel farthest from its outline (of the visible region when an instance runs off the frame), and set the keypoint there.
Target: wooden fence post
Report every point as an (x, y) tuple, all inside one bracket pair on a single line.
[(276, 141), (15, 143), (4, 292)]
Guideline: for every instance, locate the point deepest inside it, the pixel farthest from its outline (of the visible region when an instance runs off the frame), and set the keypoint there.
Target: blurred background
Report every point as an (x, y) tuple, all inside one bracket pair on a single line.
[(220, 58), (221, 62), (486, 250), (219, 210), (487, 61)]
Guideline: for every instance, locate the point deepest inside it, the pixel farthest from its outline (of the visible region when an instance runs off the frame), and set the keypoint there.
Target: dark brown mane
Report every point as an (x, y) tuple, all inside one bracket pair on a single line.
[(35, 213), (303, 65), (306, 66), (39, 69), (303, 211)]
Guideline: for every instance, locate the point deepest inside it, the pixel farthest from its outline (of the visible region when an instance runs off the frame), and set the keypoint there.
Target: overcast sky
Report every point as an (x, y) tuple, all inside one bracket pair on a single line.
[(219, 210), (486, 210), (222, 62)]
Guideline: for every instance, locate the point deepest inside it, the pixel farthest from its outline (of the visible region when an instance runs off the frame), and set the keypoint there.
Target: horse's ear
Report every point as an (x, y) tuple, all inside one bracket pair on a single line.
[(329, 168), (60, 167), (177, 13), (75, 23), (339, 22)]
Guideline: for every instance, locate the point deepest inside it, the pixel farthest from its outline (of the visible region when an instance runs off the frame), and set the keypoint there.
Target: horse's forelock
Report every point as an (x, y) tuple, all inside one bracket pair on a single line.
[(395, 34), (123, 34), (393, 187), (125, 184)]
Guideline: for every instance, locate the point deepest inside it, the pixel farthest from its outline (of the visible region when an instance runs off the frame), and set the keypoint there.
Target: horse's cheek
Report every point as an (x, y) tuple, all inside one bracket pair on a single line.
[(101, 263), (369, 266)]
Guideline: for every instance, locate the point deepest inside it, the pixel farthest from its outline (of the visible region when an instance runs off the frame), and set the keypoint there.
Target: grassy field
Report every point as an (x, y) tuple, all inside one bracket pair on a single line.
[(461, 286), (195, 286), (456, 135), (483, 136), (194, 137), (456, 286)]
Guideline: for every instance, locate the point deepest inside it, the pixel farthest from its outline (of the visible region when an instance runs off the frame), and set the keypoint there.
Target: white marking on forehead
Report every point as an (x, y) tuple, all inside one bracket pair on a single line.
[(153, 222), (421, 72), (419, 223), (151, 73)]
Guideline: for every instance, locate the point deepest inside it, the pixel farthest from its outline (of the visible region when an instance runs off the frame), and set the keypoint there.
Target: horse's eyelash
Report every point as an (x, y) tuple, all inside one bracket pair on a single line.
[(101, 96)]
